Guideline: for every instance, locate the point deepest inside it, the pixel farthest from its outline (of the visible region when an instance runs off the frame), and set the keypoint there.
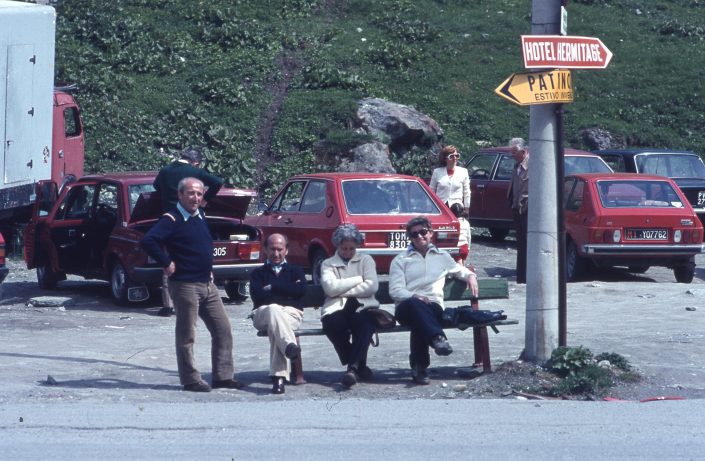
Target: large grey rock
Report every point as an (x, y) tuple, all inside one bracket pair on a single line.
[(369, 158), (597, 138), (396, 130), (403, 126)]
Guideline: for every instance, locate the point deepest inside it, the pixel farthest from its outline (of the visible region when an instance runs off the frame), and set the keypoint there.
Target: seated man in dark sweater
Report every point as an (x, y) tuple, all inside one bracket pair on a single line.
[(276, 290), (188, 262)]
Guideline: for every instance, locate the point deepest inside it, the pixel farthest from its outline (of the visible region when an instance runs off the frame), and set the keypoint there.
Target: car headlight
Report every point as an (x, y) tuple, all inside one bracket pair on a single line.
[(677, 235), (616, 235)]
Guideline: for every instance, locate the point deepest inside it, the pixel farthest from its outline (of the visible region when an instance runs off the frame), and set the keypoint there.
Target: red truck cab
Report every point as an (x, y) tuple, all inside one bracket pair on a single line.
[(67, 139)]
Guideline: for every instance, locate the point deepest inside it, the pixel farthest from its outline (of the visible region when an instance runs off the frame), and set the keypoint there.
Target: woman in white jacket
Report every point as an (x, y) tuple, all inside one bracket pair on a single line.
[(451, 182), (349, 280)]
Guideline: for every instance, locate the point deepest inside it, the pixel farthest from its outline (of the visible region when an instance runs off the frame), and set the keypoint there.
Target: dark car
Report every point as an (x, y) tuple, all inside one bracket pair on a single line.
[(490, 171), (631, 220), (684, 167), (94, 229), (308, 208)]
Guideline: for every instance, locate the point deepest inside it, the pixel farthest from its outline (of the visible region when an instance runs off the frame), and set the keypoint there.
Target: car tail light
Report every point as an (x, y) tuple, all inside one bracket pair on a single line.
[(447, 237), (248, 251), (2, 252), (597, 236), (697, 236), (677, 235)]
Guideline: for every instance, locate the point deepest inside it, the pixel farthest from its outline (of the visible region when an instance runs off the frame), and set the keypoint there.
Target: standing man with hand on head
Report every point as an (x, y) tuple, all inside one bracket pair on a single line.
[(276, 289), (189, 264), (518, 198), (166, 182), (416, 280)]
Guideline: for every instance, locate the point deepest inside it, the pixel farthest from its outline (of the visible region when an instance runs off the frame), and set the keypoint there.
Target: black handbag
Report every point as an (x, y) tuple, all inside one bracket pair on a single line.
[(466, 316), (383, 319)]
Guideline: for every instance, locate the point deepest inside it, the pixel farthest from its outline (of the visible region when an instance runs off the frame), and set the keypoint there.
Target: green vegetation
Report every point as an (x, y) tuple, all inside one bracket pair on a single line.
[(582, 373), (275, 81)]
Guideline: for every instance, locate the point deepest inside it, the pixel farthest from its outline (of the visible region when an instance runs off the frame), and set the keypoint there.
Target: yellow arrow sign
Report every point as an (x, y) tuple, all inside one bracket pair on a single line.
[(546, 87)]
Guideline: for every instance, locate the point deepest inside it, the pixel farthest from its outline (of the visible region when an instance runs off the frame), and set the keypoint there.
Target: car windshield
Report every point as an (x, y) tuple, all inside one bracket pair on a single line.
[(671, 165), (638, 194), (136, 190), (387, 196), (584, 164)]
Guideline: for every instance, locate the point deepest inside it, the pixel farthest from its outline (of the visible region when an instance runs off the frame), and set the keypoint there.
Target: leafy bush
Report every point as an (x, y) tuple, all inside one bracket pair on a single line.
[(570, 360), (615, 360), (589, 380)]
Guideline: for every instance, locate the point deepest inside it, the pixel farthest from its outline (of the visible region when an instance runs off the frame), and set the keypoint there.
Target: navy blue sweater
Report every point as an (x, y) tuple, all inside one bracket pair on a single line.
[(189, 245), (288, 287)]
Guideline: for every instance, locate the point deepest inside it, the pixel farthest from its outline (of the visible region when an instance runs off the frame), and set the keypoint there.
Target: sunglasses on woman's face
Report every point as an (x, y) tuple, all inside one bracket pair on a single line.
[(421, 232), (454, 156)]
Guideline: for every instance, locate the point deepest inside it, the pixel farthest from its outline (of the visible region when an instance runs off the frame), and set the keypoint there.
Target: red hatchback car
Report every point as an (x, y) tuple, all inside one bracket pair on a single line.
[(94, 229), (310, 207), (632, 220)]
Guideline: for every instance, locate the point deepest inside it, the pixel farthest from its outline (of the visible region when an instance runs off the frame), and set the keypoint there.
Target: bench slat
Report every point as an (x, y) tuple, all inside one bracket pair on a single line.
[(399, 328), (455, 290)]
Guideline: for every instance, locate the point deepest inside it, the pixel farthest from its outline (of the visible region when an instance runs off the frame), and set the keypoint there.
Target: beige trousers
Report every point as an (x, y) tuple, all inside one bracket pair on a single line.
[(279, 322)]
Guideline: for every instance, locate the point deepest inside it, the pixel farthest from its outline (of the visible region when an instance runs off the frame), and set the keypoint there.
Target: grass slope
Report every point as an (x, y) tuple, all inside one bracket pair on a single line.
[(274, 82)]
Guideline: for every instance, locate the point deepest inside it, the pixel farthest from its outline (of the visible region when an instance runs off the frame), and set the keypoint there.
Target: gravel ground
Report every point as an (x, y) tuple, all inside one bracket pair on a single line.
[(94, 350)]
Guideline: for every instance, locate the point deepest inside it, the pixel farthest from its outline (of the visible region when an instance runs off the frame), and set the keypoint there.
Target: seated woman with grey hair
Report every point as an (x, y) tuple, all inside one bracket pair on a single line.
[(349, 280)]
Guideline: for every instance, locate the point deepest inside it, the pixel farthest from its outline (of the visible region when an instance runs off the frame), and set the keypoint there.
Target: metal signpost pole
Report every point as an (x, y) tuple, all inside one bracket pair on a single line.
[(542, 240)]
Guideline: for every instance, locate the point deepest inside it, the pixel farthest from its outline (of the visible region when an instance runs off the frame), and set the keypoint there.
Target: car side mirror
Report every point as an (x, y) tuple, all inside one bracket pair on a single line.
[(262, 207)]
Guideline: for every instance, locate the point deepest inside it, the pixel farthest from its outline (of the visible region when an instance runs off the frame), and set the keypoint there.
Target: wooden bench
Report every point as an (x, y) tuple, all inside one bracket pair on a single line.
[(455, 290)]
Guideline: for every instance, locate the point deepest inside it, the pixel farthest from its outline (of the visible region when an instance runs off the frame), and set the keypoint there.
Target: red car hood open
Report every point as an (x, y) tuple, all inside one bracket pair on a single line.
[(230, 203)]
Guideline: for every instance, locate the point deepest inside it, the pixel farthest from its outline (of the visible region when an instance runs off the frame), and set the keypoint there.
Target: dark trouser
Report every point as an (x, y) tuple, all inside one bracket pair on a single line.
[(193, 300), (521, 224), (340, 326), (424, 320)]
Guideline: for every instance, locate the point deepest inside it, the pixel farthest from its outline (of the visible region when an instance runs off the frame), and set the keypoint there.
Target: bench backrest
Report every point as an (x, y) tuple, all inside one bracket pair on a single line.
[(455, 290)]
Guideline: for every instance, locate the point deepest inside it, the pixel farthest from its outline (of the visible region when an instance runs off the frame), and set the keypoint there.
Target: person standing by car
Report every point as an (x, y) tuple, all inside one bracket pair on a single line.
[(416, 280), (166, 182), (188, 261), (451, 182), (518, 197), (349, 280), (276, 289)]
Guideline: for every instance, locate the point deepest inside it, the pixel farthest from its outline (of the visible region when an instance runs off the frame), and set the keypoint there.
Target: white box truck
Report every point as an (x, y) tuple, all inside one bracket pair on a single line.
[(40, 126)]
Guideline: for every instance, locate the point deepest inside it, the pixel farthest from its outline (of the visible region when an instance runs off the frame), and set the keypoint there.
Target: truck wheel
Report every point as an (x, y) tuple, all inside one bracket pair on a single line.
[(684, 274), (316, 262), (46, 277), (237, 291), (574, 263), (497, 234), (119, 283)]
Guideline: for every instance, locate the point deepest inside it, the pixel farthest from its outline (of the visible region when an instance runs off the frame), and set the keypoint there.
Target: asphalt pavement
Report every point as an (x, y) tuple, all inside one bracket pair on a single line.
[(93, 378)]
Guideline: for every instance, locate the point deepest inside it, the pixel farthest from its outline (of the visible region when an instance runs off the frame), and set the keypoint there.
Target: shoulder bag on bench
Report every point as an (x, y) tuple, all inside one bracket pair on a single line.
[(465, 316)]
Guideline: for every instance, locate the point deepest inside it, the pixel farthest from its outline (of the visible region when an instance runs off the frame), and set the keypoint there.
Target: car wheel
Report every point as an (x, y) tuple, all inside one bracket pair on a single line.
[(237, 291), (316, 262), (684, 274), (638, 269), (119, 283), (46, 277), (574, 263), (497, 234)]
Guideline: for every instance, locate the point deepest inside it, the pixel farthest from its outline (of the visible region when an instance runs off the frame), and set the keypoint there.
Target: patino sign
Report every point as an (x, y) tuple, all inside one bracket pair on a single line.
[(543, 87)]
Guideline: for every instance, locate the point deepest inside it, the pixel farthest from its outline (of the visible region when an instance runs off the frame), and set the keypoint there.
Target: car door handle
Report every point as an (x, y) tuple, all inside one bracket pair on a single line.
[(72, 232), (288, 221), (480, 186)]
